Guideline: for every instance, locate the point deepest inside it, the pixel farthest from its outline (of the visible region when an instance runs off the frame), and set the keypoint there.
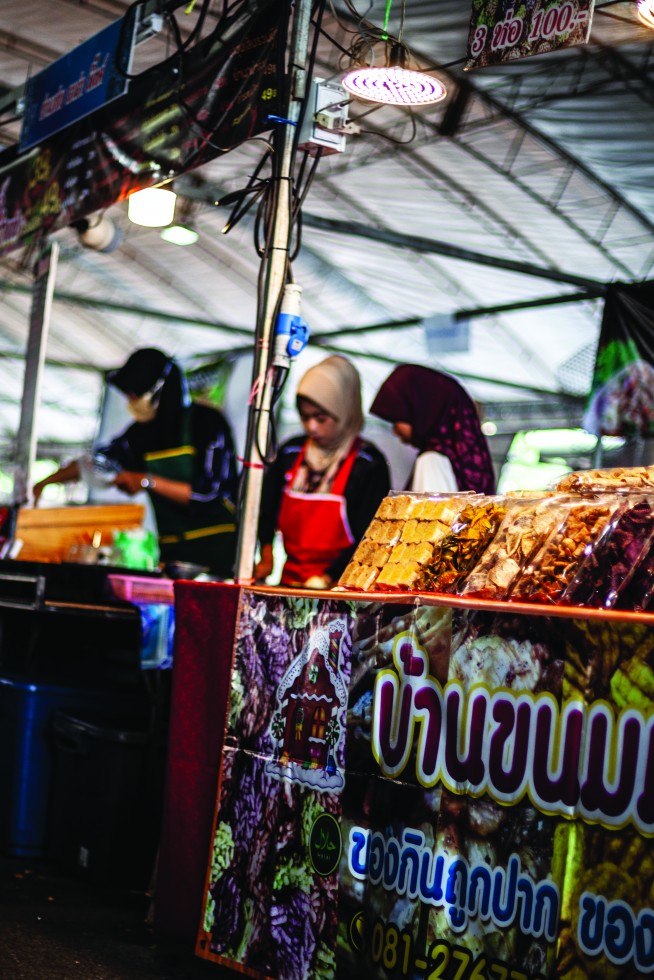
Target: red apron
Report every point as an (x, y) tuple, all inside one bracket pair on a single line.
[(314, 526)]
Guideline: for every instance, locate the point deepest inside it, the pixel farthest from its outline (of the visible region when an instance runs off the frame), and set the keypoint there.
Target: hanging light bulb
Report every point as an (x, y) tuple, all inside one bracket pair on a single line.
[(394, 84), (182, 231), (180, 234), (152, 207), (645, 10)]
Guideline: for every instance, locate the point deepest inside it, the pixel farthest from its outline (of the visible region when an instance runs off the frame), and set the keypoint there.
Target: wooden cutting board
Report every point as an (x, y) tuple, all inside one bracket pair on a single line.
[(48, 533)]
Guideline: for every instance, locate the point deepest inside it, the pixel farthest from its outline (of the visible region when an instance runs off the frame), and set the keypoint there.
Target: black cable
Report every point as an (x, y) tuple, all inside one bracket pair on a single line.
[(130, 19), (266, 196), (392, 139)]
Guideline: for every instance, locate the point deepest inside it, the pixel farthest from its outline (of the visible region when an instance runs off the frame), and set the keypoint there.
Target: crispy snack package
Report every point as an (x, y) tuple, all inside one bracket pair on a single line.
[(637, 591), (459, 551), (606, 571), (525, 527), (555, 563), (430, 521), (399, 541), (638, 478)]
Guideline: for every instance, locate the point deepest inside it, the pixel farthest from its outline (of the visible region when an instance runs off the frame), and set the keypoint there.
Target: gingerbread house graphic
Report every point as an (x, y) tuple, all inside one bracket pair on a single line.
[(305, 728)]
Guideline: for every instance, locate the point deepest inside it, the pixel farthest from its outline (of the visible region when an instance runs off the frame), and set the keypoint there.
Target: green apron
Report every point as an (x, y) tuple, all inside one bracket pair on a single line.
[(207, 539)]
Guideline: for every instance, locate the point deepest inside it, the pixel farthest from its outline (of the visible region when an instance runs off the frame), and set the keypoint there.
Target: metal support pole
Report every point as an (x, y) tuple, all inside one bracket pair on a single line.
[(275, 278), (46, 270)]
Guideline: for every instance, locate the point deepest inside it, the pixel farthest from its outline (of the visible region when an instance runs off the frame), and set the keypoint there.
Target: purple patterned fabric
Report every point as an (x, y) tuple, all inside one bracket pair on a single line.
[(443, 418)]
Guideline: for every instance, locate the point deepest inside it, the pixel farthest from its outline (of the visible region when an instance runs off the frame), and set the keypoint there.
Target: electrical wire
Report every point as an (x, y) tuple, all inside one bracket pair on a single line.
[(301, 177), (130, 20)]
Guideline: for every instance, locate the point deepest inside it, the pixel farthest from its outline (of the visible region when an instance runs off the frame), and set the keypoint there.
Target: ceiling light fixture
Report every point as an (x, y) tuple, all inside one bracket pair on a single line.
[(179, 234), (152, 207), (394, 84), (98, 233), (645, 10), (182, 231)]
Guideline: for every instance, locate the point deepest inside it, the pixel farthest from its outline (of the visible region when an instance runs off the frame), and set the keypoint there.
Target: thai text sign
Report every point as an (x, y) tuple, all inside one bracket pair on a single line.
[(506, 30), (414, 791), (222, 93), (80, 82)]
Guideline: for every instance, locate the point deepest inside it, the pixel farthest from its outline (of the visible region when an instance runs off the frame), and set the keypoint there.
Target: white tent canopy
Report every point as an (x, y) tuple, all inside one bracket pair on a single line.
[(503, 211)]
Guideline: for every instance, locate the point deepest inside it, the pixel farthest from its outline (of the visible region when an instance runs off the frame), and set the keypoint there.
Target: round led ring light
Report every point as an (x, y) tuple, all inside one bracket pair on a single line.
[(394, 86), (645, 11)]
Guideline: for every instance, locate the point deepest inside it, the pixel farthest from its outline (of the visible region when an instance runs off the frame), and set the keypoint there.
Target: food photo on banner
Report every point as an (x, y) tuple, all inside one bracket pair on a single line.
[(412, 790), (504, 30), (621, 400)]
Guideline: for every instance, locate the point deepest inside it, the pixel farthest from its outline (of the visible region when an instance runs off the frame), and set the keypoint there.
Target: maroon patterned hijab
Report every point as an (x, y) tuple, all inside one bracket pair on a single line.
[(443, 418)]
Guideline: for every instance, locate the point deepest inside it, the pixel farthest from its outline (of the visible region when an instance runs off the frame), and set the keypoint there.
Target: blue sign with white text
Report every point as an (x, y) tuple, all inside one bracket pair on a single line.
[(85, 79)]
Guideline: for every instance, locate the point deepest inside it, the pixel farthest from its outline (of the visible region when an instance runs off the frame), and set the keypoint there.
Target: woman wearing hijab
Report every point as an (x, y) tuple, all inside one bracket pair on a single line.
[(431, 411), (323, 489), (181, 453)]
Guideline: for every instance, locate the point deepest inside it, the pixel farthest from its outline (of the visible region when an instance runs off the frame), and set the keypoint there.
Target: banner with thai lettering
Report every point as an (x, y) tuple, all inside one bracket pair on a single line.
[(198, 105), (504, 30), (412, 790), (82, 81)]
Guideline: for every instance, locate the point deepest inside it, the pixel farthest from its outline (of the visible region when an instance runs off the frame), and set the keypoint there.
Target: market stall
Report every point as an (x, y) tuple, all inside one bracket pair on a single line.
[(409, 785), (446, 775)]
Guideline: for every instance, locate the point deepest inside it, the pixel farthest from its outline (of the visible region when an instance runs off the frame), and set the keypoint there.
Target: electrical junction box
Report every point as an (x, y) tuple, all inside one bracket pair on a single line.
[(325, 120)]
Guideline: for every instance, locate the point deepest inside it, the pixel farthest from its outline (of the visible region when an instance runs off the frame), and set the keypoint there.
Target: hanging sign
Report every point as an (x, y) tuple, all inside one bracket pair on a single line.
[(80, 82), (223, 91), (409, 791), (507, 31)]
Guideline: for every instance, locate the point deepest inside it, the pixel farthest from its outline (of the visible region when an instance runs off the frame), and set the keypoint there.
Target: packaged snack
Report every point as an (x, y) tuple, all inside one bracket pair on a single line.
[(637, 591), (384, 532), (358, 577), (400, 575), (555, 563), (432, 519), (400, 540), (605, 572), (459, 551), (371, 552), (638, 478), (396, 507), (525, 526)]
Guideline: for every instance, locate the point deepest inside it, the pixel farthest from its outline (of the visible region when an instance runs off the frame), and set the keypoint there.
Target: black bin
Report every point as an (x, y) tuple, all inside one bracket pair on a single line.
[(105, 819)]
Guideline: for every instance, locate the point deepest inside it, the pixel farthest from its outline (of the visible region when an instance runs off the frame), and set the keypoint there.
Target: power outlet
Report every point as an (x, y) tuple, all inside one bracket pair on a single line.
[(325, 120)]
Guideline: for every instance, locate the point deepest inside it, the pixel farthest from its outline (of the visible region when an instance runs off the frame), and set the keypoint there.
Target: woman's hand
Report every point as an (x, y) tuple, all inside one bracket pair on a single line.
[(130, 482), (37, 490), (318, 582), (264, 566)]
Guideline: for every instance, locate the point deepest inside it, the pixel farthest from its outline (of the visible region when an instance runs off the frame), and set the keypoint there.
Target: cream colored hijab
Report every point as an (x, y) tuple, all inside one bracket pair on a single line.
[(335, 386)]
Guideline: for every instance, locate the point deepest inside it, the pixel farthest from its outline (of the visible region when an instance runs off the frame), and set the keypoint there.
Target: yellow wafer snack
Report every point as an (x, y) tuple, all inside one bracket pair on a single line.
[(400, 575), (371, 553), (397, 508), (358, 576), (420, 551)]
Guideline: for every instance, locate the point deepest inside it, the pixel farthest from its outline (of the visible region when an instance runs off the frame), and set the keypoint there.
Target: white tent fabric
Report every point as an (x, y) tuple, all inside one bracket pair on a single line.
[(531, 182)]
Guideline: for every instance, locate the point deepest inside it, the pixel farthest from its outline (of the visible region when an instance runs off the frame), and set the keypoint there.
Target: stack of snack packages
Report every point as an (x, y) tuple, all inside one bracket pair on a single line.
[(587, 542)]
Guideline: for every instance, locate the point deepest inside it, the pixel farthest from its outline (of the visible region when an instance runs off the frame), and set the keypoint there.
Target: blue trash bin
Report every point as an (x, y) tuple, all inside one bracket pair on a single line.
[(27, 750)]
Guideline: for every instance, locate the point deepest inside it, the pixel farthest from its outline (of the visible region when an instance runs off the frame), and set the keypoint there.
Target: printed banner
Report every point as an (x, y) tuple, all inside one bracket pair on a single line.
[(418, 791), (503, 30), (85, 79), (621, 401), (170, 122)]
